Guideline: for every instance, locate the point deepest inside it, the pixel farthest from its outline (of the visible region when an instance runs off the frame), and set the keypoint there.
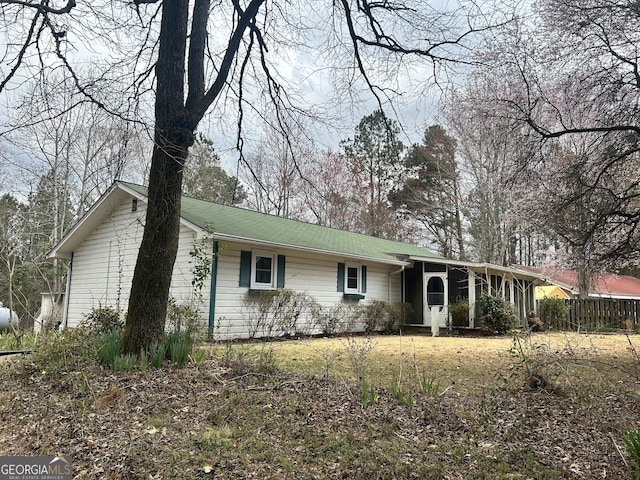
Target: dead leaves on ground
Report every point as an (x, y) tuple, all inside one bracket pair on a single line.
[(211, 422)]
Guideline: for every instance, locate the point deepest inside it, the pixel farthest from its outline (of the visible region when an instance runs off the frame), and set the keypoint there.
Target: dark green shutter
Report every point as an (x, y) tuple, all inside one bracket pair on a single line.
[(364, 280), (280, 280), (341, 270), (245, 269)]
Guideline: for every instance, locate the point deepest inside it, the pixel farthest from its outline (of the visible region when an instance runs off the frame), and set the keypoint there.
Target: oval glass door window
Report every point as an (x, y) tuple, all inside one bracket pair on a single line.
[(435, 291)]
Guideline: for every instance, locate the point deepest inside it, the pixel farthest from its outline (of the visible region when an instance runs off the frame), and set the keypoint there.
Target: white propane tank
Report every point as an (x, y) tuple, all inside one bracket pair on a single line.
[(7, 318)]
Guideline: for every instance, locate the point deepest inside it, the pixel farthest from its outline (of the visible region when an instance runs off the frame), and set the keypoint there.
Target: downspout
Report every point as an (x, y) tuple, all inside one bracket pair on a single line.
[(389, 284), (212, 290), (65, 310)]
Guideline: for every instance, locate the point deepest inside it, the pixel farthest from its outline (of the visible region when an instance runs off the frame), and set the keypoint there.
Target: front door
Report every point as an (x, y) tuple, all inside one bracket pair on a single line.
[(435, 298)]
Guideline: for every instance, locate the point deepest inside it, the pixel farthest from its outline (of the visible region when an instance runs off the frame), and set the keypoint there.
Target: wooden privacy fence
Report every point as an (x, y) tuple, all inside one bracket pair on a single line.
[(600, 314)]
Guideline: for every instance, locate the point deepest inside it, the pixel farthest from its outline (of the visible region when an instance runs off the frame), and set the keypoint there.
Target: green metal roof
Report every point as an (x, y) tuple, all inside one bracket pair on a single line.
[(244, 224)]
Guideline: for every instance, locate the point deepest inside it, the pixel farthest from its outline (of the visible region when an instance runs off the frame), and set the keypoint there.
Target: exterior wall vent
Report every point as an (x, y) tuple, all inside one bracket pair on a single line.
[(134, 205)]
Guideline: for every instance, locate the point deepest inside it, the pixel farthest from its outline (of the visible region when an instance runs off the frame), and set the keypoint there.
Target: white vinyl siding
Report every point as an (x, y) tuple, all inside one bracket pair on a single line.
[(103, 265), (313, 274), (104, 262)]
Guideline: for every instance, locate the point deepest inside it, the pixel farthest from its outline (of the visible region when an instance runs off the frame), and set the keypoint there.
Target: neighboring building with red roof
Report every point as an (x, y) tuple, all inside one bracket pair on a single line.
[(607, 285)]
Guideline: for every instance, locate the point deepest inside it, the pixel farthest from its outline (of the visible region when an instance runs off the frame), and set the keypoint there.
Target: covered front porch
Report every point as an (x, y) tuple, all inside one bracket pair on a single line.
[(436, 288)]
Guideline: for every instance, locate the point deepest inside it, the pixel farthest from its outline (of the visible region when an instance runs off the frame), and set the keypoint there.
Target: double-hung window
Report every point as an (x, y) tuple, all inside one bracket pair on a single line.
[(352, 280), (261, 270)]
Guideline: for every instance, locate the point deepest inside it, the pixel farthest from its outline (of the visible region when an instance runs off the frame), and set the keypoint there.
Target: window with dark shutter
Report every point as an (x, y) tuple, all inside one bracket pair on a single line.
[(352, 280), (261, 270)]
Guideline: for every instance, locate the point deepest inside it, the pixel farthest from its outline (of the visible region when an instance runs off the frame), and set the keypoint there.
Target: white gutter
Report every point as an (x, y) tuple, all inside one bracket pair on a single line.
[(482, 267)]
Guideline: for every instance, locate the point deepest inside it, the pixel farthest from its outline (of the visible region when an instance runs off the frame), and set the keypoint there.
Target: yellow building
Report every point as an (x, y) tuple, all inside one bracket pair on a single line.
[(551, 291)]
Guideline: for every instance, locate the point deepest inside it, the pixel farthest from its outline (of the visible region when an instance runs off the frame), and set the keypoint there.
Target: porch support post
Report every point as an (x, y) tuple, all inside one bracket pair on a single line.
[(472, 298), (512, 293)]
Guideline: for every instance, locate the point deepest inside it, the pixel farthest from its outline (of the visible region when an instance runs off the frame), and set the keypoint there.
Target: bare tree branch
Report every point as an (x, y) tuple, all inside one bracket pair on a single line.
[(245, 17), (43, 7)]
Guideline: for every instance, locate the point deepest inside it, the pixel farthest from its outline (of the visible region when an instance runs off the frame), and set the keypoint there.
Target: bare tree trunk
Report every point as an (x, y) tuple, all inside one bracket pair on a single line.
[(458, 219), (584, 275), (156, 257)]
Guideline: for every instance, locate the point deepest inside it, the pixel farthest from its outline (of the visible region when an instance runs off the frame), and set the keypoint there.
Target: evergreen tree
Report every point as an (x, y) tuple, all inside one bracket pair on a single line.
[(205, 179), (375, 162), (430, 192)]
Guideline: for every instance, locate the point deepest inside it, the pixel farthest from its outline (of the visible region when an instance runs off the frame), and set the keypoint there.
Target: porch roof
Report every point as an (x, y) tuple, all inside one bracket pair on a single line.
[(488, 268)]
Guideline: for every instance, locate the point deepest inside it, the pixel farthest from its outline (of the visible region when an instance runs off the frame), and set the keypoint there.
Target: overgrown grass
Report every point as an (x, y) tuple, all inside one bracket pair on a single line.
[(469, 363), (28, 341), (409, 407), (109, 346)]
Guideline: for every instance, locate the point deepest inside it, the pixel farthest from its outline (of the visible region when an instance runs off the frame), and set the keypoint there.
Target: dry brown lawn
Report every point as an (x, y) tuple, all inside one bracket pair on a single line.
[(431, 408), (468, 362)]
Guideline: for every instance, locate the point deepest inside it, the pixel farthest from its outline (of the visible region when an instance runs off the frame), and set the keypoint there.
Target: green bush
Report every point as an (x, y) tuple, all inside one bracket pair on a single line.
[(102, 320), (496, 315), (60, 351), (459, 313), (552, 310)]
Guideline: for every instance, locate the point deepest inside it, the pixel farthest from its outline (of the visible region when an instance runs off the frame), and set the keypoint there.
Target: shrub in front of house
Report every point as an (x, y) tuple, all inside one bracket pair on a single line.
[(459, 312), (185, 317), (103, 320), (375, 315), (272, 313), (535, 323), (496, 315), (552, 310), (398, 314), (335, 319)]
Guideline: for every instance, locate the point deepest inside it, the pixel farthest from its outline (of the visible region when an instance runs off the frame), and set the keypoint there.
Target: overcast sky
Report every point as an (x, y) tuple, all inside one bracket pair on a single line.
[(314, 77)]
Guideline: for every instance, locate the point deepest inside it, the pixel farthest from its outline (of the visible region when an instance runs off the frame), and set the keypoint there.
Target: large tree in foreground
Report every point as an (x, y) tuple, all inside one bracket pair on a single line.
[(179, 107), (371, 44)]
